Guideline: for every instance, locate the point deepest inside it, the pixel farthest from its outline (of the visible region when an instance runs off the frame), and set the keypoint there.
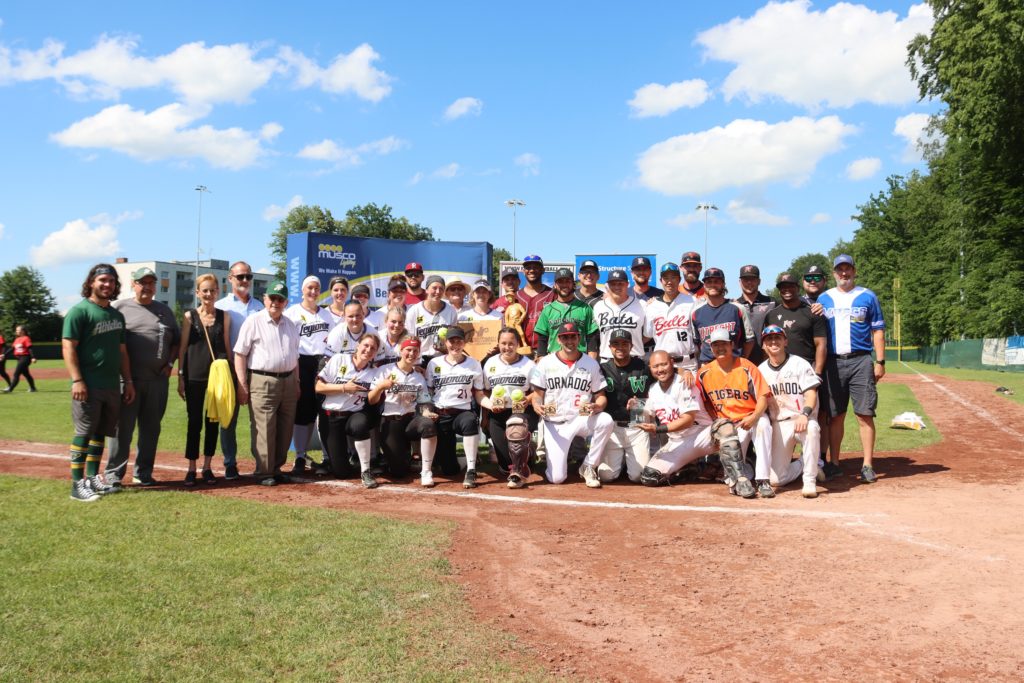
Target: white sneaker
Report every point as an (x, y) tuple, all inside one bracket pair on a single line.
[(810, 491), (427, 479), (589, 475)]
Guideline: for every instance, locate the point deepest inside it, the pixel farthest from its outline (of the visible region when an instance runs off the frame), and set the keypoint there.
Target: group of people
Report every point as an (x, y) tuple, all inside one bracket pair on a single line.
[(655, 378)]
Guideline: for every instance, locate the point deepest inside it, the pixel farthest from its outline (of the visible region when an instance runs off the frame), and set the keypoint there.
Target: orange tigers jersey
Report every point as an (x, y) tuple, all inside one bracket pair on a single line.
[(734, 394)]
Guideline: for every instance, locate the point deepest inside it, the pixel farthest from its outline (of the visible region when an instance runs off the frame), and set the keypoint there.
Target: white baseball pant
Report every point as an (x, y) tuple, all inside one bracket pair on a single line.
[(784, 440), (629, 444), (558, 437)]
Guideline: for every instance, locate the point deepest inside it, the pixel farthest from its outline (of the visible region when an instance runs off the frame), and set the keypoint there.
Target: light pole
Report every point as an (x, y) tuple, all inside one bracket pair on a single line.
[(514, 203), (199, 228), (705, 207)]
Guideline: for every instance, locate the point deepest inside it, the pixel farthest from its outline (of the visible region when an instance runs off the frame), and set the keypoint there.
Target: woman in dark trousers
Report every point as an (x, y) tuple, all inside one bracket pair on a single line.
[(206, 329), (507, 378), (23, 356), (3, 361)]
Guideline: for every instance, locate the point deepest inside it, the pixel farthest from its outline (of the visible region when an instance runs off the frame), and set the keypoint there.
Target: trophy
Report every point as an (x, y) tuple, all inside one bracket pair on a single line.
[(518, 402), (498, 398), (638, 413), (515, 314)]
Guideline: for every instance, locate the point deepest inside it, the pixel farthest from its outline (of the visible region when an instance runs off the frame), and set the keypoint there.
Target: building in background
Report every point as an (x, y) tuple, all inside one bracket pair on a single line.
[(175, 280)]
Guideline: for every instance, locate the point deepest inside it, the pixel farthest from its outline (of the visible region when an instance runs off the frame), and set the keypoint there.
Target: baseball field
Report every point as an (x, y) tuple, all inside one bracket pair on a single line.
[(916, 577)]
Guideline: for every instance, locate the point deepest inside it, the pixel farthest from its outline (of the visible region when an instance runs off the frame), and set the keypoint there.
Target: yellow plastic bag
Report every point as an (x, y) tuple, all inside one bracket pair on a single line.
[(220, 394)]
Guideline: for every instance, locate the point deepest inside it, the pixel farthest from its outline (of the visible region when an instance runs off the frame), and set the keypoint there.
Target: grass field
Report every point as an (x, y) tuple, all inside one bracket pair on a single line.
[(169, 586), (892, 400), (1011, 380)]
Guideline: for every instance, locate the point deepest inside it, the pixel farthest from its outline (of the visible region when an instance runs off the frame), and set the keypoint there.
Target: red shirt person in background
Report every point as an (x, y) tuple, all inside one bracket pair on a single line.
[(21, 348)]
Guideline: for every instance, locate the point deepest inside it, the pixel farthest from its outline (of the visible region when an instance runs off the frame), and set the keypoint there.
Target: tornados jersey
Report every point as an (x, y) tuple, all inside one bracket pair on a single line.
[(409, 389), (340, 340), (629, 316), (672, 403), (341, 369), (498, 373), (453, 383), (567, 385), (425, 325), (313, 328), (671, 328), (789, 381)]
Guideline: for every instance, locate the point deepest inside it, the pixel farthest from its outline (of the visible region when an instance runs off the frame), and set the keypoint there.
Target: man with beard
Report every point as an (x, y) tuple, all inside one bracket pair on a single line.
[(692, 284), (717, 313), (534, 296), (413, 279), (588, 292), (669, 321), (95, 354), (628, 381), (566, 308), (620, 310), (642, 289), (815, 284), (757, 306)]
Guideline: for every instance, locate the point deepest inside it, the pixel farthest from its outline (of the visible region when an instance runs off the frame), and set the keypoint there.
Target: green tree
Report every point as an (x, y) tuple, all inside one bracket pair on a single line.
[(26, 300), (367, 220), (498, 254)]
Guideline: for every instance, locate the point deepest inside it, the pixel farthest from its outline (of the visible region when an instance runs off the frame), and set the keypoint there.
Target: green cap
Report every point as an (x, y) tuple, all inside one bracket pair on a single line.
[(277, 288), (142, 272)]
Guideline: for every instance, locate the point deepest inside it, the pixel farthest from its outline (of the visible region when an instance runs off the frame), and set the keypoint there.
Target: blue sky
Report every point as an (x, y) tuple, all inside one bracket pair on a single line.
[(611, 125)]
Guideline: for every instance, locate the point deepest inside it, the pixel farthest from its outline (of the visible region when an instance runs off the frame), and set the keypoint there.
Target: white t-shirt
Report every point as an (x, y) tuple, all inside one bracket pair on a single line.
[(452, 384), (314, 329), (341, 369), (566, 385), (425, 325), (409, 389), (629, 316), (469, 315), (672, 403), (671, 326), (498, 373), (789, 381), (340, 340)]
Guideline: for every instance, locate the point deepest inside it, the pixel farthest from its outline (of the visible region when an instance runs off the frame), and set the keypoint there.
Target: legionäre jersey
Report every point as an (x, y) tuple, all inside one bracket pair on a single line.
[(453, 383)]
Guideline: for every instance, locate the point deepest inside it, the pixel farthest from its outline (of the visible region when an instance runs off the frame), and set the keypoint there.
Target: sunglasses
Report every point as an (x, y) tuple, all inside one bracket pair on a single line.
[(244, 276), (813, 278)]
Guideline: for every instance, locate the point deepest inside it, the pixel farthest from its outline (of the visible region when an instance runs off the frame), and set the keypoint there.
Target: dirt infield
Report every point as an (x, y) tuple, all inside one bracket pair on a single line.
[(917, 577)]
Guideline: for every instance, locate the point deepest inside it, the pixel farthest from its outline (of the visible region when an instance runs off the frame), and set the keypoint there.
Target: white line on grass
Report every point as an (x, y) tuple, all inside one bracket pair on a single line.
[(972, 407)]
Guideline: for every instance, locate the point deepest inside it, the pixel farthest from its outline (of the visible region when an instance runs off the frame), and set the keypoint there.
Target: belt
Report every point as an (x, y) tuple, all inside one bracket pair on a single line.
[(393, 418), (679, 359), (450, 411), (855, 354), (339, 413), (279, 375), (621, 423)]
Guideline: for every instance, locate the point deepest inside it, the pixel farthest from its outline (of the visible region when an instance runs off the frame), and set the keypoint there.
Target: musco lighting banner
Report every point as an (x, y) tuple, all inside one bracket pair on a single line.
[(373, 261)]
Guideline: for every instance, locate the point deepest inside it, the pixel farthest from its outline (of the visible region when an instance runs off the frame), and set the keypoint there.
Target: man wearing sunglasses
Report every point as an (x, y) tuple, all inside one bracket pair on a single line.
[(239, 304), (815, 284)]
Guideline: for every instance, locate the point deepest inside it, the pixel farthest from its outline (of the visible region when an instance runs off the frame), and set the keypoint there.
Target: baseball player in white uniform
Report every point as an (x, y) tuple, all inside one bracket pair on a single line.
[(620, 310), (428, 317), (793, 411), (669, 321), (569, 395)]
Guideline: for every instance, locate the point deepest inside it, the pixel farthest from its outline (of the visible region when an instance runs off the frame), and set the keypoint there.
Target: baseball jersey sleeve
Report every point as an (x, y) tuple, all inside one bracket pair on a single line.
[(597, 380), (748, 328), (538, 378), (819, 326), (875, 314)]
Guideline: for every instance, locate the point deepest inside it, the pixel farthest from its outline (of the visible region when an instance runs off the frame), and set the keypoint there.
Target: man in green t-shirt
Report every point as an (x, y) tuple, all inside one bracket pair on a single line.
[(96, 357), (566, 308)]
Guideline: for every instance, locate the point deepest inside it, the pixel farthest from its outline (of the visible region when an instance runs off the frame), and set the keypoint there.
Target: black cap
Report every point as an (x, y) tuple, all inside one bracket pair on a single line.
[(396, 283), (360, 289), (750, 271), (786, 279), (509, 270), (690, 257), (713, 272), (564, 273), (568, 327), (589, 263), (620, 333), (618, 275), (640, 262), (814, 270), (456, 332)]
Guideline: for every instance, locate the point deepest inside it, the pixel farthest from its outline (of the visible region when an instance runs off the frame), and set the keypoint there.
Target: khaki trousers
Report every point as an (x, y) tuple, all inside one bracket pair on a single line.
[(272, 402)]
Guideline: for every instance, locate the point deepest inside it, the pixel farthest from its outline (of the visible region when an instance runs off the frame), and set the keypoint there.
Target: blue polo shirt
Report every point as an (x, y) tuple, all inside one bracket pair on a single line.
[(852, 317), (238, 311)]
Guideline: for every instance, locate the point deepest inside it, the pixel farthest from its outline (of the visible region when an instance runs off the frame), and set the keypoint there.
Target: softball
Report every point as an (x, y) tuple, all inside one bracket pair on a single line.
[(517, 395), (442, 333), (499, 391)]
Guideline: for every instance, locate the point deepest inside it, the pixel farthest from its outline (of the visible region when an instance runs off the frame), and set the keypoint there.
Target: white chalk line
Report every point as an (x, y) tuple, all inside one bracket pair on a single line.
[(973, 407)]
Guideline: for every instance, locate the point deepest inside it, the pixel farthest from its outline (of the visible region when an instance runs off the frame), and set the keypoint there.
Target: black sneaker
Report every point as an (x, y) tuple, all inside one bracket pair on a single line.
[(299, 467), (190, 478), (231, 472), (208, 477), (470, 481), (832, 471), (144, 481), (369, 481)]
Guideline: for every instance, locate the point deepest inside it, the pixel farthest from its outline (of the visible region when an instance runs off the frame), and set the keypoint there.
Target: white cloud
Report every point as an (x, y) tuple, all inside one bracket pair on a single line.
[(353, 72), (163, 133), (744, 152), (655, 99), (464, 106), (276, 213), (329, 150), (912, 128), (77, 241), (744, 214), (862, 169), (270, 131), (416, 178), (446, 172), (122, 217), (529, 162), (819, 218), (840, 56)]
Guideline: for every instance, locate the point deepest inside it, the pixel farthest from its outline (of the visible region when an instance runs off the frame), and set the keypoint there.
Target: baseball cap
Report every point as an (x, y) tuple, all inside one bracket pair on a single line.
[(640, 262), (719, 334), (815, 270), (841, 259), (618, 275), (432, 279), (409, 341), (772, 329), (620, 334), (456, 332), (564, 273), (713, 272), (509, 271), (533, 258), (690, 257), (750, 271), (395, 283), (785, 279), (142, 272), (413, 265), (669, 267), (277, 288), (568, 327), (482, 283), (589, 263), (360, 289), (455, 281)]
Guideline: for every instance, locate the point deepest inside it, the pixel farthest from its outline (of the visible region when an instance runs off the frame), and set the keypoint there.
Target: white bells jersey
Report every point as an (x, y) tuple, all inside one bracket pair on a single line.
[(789, 381), (610, 316), (453, 383), (341, 369), (409, 389), (672, 403), (567, 386), (314, 329), (671, 326)]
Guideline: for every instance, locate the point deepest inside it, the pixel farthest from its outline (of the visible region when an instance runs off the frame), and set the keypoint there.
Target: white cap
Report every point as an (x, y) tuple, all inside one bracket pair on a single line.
[(720, 334)]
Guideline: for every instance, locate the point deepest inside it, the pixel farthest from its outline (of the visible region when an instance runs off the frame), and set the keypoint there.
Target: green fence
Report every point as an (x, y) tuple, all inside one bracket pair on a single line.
[(1005, 354)]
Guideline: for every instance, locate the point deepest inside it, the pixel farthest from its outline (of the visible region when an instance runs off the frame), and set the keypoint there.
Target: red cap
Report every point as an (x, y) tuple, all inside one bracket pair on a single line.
[(412, 265)]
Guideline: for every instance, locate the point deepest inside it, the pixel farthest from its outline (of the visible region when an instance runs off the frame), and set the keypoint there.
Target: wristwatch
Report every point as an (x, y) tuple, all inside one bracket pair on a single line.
[(881, 362)]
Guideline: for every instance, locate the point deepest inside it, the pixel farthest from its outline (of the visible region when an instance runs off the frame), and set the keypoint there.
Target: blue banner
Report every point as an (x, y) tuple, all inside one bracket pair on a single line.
[(609, 262), (372, 261)]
